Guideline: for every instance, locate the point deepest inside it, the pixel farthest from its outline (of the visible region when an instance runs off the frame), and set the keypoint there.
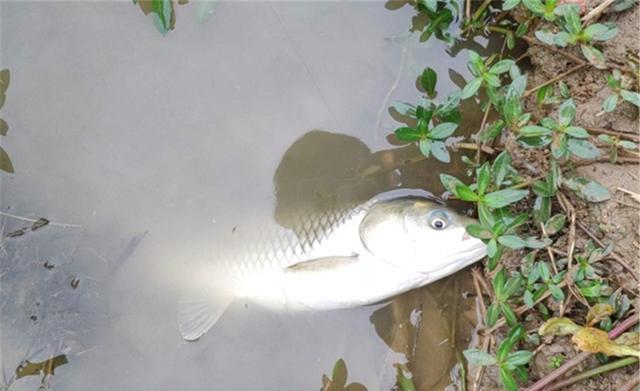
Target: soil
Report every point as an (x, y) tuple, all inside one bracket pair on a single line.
[(615, 221)]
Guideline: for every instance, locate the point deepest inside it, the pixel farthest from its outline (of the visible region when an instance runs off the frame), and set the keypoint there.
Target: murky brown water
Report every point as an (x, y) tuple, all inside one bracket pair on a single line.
[(153, 146)]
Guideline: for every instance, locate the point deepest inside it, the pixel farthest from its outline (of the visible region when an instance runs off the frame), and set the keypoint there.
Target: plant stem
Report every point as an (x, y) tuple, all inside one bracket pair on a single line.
[(594, 371), (555, 79), (480, 10)]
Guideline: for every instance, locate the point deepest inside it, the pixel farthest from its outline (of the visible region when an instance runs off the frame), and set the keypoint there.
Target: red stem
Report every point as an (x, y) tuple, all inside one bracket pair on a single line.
[(553, 375)]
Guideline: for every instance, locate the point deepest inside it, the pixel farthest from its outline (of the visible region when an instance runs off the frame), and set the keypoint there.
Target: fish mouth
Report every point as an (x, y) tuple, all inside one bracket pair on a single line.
[(469, 256)]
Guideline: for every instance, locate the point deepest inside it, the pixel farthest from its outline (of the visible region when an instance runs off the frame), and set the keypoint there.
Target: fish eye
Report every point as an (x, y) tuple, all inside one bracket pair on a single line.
[(438, 221)]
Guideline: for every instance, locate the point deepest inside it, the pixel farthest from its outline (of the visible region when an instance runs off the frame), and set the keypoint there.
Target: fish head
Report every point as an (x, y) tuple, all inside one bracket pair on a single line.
[(422, 235)]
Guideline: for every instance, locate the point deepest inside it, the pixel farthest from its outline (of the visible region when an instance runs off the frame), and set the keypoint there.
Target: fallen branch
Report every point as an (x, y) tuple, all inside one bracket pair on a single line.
[(596, 12), (593, 372), (626, 135)]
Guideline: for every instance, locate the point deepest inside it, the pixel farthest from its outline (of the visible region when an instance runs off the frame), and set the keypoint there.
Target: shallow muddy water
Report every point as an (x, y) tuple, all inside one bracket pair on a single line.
[(147, 152)]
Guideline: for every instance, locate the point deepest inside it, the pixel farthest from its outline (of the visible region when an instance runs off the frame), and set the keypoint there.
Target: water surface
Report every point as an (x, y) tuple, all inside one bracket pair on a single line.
[(147, 151)]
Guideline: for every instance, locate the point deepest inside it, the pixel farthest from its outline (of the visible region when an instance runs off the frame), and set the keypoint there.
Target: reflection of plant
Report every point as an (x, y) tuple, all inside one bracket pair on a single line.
[(5, 162), (511, 364), (338, 380)]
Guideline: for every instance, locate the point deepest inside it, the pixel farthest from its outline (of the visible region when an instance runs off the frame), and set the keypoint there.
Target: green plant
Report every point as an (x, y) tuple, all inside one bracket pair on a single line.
[(614, 81), (556, 361), (574, 33), (485, 74), (434, 122), (615, 145), (564, 138), (440, 14), (511, 364)]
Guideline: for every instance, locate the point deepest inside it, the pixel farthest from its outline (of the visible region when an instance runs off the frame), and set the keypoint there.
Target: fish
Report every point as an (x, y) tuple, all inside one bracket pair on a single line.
[(397, 241)]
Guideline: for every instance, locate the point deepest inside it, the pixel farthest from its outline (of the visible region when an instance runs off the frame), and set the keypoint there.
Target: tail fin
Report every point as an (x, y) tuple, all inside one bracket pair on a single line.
[(198, 313)]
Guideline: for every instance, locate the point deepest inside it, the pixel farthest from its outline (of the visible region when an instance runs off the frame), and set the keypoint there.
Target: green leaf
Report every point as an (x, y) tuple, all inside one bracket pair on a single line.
[(339, 374), (587, 189), (205, 9), (583, 149), (498, 283), (555, 224), (465, 193), (471, 88), (508, 313), (501, 66), (545, 36), (610, 103), (405, 109), (483, 177), (443, 130), (501, 198), (450, 182), (594, 56), (478, 357), (492, 248), (628, 144), (428, 81), (576, 131), (492, 131), (521, 357), (537, 243), (543, 270), (512, 241), (476, 64), (534, 131), (162, 12), (556, 292), (571, 13), (510, 4), (528, 299), (492, 80), (485, 216), (493, 313), (5, 162), (501, 166), (601, 31), (407, 134), (508, 381), (478, 231), (512, 285), (567, 112), (534, 142), (425, 145), (440, 152), (514, 335), (559, 146), (541, 209), (534, 6), (431, 5), (631, 97)]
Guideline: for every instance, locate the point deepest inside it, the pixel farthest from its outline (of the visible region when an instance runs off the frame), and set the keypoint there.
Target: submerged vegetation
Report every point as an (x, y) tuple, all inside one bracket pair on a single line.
[(534, 214)]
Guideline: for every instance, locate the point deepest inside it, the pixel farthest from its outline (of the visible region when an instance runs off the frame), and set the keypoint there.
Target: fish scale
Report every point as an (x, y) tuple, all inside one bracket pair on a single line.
[(275, 247)]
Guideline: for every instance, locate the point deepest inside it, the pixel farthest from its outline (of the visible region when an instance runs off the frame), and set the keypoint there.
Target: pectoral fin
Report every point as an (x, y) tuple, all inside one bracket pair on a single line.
[(322, 264)]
